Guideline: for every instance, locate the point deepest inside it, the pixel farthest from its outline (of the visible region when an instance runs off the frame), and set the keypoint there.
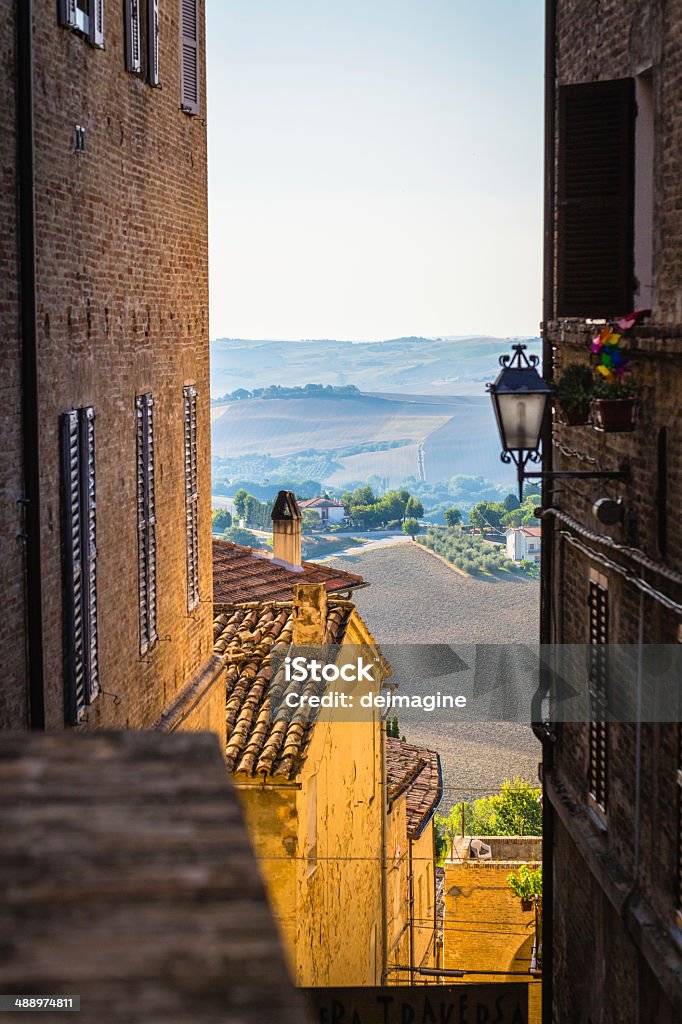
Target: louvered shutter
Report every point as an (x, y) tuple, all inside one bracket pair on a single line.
[(74, 626), (132, 34), (96, 16), (191, 496), (189, 55), (595, 260), (67, 13), (89, 544), (153, 42), (146, 521), (598, 684)]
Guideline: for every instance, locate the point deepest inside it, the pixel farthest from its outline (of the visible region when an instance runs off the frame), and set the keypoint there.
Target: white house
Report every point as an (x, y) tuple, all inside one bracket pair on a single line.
[(523, 543), (330, 511)]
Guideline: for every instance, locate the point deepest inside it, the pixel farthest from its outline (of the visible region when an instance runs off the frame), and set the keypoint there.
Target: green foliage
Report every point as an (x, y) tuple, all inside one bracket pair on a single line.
[(470, 554), (257, 512), (511, 502), (526, 883), (221, 518), (311, 519), (414, 508), (487, 515), (392, 728), (240, 502), (452, 516), (239, 535), (614, 389), (574, 389), (411, 527), (514, 811), (523, 515)]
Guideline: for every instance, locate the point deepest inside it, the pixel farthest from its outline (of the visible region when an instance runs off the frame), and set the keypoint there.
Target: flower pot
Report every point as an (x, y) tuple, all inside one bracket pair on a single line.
[(526, 905), (572, 415), (613, 415)]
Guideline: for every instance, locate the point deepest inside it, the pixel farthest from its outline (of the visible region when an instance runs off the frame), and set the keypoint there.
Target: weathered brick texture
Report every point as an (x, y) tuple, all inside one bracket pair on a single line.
[(122, 279)]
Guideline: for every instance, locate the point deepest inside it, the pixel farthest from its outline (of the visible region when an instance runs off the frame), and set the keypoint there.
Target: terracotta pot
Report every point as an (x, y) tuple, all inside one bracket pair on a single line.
[(613, 415), (526, 904), (571, 416)]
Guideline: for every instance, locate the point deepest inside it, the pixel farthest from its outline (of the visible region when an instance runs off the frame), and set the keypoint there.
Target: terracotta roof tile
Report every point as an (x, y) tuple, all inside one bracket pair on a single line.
[(417, 771), (245, 637), (240, 575)]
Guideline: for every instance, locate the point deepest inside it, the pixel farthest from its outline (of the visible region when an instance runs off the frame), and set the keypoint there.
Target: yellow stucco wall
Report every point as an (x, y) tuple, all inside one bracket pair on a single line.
[(318, 840), (485, 927), (410, 935)]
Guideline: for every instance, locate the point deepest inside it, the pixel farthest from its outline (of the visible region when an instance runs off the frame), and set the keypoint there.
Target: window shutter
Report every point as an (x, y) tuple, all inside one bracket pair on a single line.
[(189, 47), (598, 687), (595, 261), (89, 514), (146, 521), (191, 496), (96, 14), (132, 33), (67, 13), (75, 698), (153, 42)]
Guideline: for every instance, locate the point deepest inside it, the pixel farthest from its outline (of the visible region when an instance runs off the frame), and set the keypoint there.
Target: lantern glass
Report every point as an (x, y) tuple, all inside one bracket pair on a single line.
[(520, 416)]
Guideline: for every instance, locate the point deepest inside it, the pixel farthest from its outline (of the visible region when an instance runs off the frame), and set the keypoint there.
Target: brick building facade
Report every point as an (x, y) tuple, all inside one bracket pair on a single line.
[(105, 449), (613, 830)]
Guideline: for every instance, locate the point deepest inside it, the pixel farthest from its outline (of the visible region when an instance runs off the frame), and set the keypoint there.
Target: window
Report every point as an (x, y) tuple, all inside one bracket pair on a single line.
[(189, 48), (598, 690), (153, 42), (595, 261), (80, 561), (146, 521), (189, 395), (86, 16), (132, 36)]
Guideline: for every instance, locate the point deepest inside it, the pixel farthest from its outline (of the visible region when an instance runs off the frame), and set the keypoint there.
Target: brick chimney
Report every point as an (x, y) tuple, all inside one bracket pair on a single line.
[(286, 531), (309, 614)]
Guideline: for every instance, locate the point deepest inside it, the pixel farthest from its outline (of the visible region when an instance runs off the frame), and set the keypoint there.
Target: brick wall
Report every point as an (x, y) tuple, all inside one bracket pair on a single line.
[(606, 969), (122, 308)]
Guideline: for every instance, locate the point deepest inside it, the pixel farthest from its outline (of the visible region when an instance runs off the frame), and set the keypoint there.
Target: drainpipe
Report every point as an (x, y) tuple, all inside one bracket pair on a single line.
[(383, 789), (547, 536), (411, 901), (29, 365)]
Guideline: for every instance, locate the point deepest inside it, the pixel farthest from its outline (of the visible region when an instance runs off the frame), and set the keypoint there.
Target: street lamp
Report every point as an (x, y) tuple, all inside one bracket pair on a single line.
[(520, 398), (521, 402)]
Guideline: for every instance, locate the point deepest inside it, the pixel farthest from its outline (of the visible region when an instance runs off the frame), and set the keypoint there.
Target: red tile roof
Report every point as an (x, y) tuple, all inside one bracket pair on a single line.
[(264, 737), (417, 771), (240, 575)]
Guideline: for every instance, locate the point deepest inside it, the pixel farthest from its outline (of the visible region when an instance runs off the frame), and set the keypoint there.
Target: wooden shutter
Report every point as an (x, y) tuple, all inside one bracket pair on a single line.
[(74, 627), (132, 34), (96, 17), (89, 544), (191, 496), (67, 13), (146, 522), (80, 561), (189, 56), (595, 259), (153, 42), (598, 684)]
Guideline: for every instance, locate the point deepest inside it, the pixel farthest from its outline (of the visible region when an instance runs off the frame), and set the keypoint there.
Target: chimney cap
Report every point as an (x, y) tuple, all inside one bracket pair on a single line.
[(285, 507)]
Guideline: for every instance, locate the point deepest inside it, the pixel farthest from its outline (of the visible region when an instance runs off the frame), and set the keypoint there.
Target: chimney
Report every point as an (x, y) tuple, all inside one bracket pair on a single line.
[(309, 614), (286, 531)]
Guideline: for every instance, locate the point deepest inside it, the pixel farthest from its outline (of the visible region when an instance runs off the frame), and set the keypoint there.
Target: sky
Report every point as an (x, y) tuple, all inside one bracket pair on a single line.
[(375, 167)]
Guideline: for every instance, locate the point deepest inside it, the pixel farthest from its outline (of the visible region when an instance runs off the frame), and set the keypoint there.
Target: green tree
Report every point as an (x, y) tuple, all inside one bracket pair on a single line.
[(514, 811), (411, 528), (365, 517), (221, 518), (311, 519), (238, 535), (511, 502), (487, 515), (240, 502), (414, 508), (363, 496), (453, 516)]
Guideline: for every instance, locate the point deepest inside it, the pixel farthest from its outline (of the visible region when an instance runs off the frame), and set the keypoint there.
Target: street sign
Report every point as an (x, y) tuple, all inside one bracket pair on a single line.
[(500, 1003)]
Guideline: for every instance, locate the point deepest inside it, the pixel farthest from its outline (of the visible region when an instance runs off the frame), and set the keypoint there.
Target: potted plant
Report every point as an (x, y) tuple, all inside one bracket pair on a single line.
[(613, 405), (613, 394), (526, 883), (573, 394)]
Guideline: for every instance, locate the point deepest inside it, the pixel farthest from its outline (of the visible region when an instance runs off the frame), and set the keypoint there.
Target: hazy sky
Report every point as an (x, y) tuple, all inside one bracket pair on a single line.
[(374, 167)]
